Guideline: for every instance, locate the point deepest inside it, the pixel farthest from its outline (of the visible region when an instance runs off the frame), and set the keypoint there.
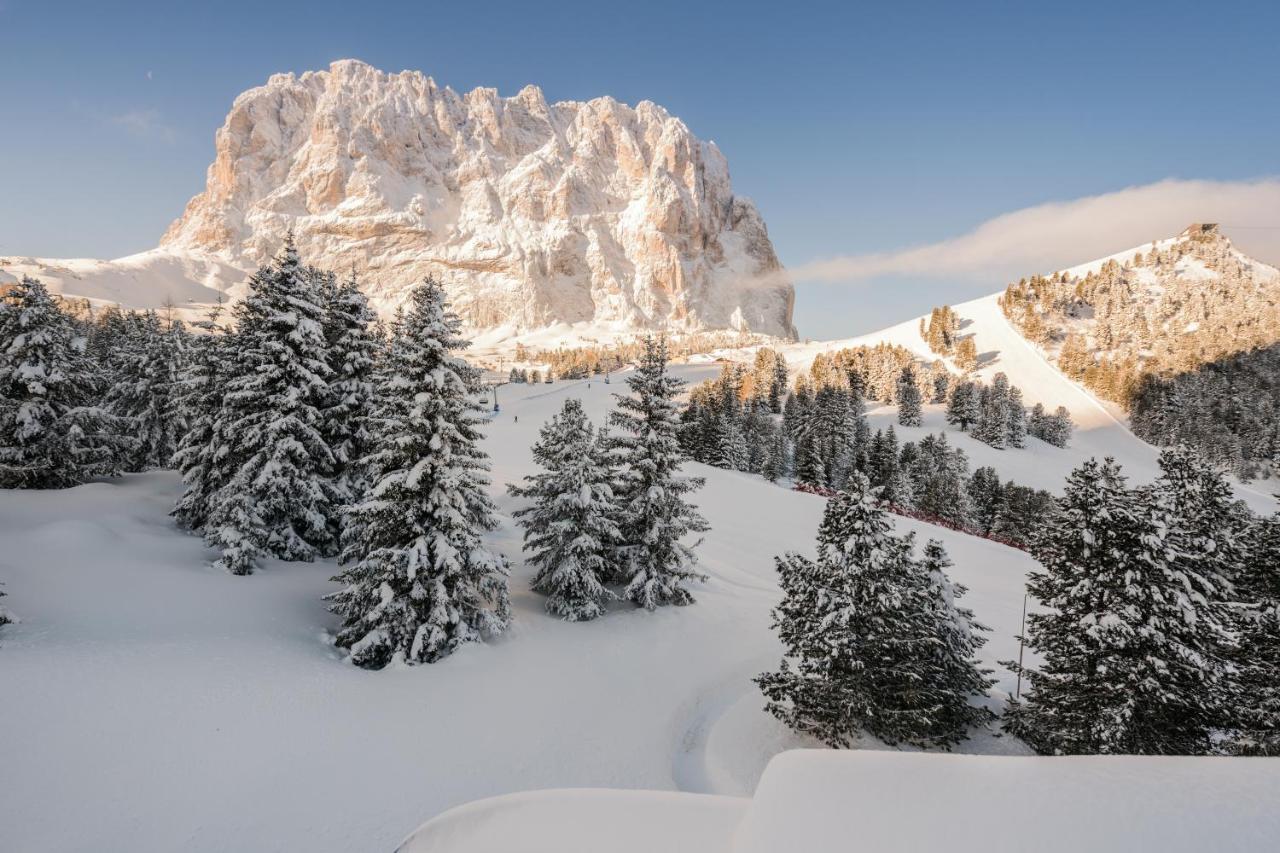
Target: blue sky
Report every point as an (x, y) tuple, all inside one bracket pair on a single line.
[(857, 128)]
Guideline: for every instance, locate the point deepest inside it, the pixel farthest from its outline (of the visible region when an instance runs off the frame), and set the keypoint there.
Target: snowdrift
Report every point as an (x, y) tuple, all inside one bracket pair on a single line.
[(585, 821), (896, 802)]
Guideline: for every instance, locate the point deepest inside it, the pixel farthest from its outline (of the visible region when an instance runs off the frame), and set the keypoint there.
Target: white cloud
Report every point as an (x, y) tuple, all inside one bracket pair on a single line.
[(144, 124), (1052, 236)]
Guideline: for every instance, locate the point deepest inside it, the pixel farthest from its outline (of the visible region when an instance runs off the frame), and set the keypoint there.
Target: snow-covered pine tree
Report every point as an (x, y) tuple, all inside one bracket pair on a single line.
[(106, 333), (1037, 420), (987, 493), (698, 423), (1015, 418), (1060, 427), (1205, 529), (967, 354), (834, 430), (1207, 523), (777, 459), (807, 459), (882, 465), (654, 515), (1053, 428), (963, 405), (1022, 512), (860, 452), (611, 455), (53, 433), (198, 396), (758, 431), (353, 347), (1130, 641), (727, 444), (939, 473), (1258, 658), (993, 417), (873, 638), (796, 401), (419, 581), (806, 423), (146, 369), (276, 496), (908, 399), (778, 389), (570, 533), (957, 679), (939, 382)]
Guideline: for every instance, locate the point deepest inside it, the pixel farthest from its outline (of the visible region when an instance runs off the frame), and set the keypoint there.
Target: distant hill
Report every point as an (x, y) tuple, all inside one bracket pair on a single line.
[(1181, 333)]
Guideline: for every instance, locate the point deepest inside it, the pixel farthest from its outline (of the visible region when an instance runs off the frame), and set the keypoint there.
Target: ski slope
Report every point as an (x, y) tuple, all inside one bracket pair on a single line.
[(152, 703)]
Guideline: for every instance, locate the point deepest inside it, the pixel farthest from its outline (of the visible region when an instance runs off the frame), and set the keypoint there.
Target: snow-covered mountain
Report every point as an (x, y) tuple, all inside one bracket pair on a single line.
[(590, 214), (1171, 305)]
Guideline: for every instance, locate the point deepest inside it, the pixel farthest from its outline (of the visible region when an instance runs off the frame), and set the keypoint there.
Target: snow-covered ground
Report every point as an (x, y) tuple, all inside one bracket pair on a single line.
[(153, 703), (824, 801), (189, 282)]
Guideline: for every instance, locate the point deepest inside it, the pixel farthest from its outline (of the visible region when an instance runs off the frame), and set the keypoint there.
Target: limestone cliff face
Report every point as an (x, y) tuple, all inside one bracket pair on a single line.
[(533, 214)]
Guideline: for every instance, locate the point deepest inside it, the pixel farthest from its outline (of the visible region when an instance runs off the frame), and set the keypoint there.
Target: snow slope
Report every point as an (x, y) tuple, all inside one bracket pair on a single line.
[(190, 282), (163, 705), (1101, 428)]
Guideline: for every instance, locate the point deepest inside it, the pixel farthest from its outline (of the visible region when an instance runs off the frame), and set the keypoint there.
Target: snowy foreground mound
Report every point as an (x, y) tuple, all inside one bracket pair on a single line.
[(893, 802)]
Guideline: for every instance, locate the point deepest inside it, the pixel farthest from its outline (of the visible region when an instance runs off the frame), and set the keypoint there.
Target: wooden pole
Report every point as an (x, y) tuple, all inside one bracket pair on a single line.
[(1017, 693)]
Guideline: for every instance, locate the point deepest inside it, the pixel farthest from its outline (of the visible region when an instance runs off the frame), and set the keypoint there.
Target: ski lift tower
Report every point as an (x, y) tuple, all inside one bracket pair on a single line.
[(493, 387)]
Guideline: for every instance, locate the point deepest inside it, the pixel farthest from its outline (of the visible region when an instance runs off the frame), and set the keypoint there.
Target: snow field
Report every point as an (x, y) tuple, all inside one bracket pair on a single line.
[(164, 705)]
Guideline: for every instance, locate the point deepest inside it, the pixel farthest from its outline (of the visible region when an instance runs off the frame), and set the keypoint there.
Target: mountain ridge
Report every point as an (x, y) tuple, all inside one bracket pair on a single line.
[(590, 217), (533, 213)]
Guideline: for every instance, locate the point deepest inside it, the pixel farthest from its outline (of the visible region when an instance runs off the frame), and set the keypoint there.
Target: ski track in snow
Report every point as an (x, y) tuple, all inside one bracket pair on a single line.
[(690, 762)]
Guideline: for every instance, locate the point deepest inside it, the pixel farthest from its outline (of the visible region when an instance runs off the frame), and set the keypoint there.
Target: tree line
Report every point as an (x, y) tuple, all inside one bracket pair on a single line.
[(823, 437)]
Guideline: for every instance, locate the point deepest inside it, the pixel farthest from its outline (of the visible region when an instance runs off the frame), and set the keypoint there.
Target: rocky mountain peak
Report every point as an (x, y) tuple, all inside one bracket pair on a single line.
[(533, 214)]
